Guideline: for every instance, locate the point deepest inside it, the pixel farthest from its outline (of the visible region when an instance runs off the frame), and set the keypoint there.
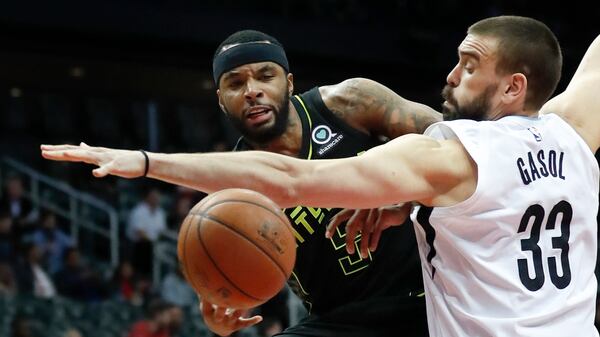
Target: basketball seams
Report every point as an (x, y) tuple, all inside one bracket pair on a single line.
[(283, 219), (214, 262), (241, 234), (236, 221), (188, 220)]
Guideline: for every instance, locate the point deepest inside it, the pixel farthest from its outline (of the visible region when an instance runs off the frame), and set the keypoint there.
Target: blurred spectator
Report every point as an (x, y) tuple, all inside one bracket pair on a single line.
[(72, 332), (180, 210), (8, 283), (32, 277), (176, 290), (21, 327), (127, 286), (147, 221), (185, 199), (7, 237), (157, 322), (52, 241), (76, 280), (176, 320), (19, 208)]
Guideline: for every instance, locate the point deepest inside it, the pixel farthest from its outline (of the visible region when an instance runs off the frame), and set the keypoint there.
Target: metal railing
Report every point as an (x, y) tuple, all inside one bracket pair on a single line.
[(165, 255), (77, 207)]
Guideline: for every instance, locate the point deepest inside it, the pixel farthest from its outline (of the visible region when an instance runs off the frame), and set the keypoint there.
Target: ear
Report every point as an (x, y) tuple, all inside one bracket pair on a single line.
[(221, 105), (290, 82), (515, 89)]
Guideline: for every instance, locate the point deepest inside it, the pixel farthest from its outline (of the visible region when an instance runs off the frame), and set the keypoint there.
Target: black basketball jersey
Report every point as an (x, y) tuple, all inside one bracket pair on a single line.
[(325, 277)]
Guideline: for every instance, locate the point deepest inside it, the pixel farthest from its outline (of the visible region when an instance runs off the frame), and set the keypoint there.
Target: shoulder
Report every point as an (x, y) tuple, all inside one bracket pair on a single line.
[(579, 105), (348, 91), (345, 88), (455, 129), (579, 114), (354, 100)]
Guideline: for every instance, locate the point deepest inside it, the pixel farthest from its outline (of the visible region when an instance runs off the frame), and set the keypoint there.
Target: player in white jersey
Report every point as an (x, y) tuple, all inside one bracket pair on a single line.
[(512, 202), (516, 258)]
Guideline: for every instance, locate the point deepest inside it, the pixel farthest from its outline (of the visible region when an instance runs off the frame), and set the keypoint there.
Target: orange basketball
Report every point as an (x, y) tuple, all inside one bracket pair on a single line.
[(236, 248)]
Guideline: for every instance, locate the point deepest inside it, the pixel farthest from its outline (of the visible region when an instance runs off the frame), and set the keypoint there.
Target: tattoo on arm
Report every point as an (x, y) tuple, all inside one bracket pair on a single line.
[(377, 110)]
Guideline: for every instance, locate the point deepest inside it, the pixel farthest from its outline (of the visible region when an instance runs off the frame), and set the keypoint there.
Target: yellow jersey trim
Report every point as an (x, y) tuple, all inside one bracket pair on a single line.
[(309, 125)]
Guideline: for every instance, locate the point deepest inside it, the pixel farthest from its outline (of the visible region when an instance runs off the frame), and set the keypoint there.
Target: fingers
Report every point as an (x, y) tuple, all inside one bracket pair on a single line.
[(337, 220), (353, 227), (61, 147), (212, 312), (375, 239), (102, 171), (248, 322), (368, 228), (224, 321), (206, 308), (74, 155), (219, 314)]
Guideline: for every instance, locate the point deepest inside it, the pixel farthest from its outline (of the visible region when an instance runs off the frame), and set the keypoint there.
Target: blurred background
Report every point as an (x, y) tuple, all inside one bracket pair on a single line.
[(77, 256)]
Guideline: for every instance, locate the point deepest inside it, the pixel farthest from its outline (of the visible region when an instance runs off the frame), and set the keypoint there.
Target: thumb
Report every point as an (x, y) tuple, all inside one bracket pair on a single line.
[(248, 322), (101, 171)]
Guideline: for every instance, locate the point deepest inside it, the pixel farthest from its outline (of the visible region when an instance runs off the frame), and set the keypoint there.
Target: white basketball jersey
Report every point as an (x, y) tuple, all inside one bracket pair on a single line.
[(516, 258)]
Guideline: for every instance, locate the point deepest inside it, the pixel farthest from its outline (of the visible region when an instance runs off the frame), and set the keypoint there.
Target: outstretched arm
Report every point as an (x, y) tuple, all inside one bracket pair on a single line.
[(579, 104), (408, 168), (376, 110)]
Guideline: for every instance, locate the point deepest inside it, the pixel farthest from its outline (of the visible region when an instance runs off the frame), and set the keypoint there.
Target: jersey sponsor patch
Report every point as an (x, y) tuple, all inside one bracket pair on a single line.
[(323, 135)]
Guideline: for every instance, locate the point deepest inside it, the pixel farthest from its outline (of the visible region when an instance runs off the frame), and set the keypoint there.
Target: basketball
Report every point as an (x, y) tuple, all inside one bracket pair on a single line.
[(236, 248)]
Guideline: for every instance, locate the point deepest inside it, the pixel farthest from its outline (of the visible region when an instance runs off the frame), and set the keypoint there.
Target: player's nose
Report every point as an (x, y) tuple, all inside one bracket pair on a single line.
[(253, 90), (453, 78)]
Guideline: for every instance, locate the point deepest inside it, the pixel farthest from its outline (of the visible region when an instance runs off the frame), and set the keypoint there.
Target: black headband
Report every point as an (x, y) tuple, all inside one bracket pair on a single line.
[(245, 53)]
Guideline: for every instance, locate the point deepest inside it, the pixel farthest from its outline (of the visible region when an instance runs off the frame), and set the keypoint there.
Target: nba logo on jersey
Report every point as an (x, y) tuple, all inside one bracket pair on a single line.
[(535, 133)]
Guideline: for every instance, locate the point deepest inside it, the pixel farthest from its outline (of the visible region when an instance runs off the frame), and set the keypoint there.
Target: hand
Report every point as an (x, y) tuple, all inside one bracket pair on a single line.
[(122, 163), (223, 321), (370, 223)]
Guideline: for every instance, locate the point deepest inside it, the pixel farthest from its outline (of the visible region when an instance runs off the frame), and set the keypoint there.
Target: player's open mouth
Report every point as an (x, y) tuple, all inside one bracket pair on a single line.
[(257, 114)]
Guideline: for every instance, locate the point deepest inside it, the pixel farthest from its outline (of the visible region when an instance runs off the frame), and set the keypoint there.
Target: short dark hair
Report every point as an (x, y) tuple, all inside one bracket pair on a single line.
[(527, 46), (243, 36)]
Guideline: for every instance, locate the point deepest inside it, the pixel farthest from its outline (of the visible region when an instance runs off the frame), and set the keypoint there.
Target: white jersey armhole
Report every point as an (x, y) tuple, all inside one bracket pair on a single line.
[(576, 136), (471, 136)]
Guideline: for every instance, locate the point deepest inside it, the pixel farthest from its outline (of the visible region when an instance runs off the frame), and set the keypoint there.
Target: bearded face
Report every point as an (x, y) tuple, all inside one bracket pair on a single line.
[(476, 109), (271, 128)]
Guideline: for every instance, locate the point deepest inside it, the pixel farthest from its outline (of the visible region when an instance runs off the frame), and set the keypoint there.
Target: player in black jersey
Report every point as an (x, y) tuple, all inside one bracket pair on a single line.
[(345, 294), (378, 294), (415, 167)]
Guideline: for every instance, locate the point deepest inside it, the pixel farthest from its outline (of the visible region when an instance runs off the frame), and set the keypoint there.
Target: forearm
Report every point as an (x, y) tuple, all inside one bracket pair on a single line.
[(265, 172)]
